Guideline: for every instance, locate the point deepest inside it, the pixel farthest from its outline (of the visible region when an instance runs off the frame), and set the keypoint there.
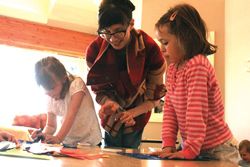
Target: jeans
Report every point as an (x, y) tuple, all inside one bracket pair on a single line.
[(130, 140), (225, 151)]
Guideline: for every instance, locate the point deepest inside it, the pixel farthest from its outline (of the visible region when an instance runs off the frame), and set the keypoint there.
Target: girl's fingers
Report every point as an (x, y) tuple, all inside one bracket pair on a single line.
[(155, 153), (178, 155), (165, 154)]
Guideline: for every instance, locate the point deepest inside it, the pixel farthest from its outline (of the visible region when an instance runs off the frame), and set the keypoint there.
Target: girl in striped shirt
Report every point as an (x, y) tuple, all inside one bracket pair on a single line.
[(193, 103)]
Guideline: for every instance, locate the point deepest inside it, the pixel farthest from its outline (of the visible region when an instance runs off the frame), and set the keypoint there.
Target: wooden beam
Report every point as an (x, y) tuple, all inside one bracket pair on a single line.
[(20, 33)]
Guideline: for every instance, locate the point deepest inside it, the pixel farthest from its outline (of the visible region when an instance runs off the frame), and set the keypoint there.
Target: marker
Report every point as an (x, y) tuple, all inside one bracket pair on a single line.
[(39, 138)]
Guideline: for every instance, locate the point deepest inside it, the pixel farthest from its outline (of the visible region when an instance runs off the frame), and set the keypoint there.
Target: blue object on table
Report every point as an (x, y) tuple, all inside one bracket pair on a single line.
[(151, 157), (140, 156)]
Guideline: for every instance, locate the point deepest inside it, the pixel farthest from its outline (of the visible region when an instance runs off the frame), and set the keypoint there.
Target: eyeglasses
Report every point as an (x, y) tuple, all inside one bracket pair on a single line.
[(118, 34)]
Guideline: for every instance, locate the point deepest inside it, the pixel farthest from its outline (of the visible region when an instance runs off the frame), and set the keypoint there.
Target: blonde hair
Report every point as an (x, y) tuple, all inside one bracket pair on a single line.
[(49, 68)]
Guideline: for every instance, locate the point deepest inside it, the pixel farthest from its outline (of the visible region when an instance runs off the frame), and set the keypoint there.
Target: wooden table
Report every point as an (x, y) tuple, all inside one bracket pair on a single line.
[(113, 160)]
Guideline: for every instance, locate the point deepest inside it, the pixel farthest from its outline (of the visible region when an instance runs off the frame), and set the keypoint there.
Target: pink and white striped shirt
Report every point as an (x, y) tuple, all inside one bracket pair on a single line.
[(193, 105)]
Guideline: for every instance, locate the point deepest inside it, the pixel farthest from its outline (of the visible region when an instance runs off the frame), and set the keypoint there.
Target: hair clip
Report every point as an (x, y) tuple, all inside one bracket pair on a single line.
[(172, 17)]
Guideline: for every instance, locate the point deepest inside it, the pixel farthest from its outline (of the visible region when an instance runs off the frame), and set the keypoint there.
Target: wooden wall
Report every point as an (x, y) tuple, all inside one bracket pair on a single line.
[(26, 34)]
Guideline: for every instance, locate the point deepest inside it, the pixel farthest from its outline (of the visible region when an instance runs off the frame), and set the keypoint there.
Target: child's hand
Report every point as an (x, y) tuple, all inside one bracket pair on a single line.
[(108, 108), (175, 155), (50, 139), (36, 133), (6, 136), (166, 152)]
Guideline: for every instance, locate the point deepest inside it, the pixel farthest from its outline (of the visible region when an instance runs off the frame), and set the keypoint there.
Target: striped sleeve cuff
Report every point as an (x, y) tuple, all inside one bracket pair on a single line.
[(168, 143), (188, 154)]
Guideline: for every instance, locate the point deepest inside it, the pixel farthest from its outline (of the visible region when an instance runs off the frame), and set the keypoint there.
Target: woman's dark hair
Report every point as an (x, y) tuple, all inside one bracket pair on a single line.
[(114, 12), (185, 23), (49, 68)]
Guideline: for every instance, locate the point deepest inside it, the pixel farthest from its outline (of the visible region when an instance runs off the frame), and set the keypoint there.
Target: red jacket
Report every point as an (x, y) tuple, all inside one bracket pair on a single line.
[(142, 80)]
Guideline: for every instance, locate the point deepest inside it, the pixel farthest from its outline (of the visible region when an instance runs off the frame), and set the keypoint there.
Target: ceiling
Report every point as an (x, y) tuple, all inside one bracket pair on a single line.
[(78, 15)]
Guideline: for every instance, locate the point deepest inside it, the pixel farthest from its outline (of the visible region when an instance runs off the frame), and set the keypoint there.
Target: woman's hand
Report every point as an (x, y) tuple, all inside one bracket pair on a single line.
[(127, 118), (108, 108)]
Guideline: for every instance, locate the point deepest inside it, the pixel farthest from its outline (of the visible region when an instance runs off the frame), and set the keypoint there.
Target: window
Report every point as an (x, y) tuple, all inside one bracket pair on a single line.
[(19, 93)]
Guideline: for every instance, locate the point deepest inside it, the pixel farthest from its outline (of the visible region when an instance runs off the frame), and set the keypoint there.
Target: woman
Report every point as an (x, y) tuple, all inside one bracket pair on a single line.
[(126, 73)]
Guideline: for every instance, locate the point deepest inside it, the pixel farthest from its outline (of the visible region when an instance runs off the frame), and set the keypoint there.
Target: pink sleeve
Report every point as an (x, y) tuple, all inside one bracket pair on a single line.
[(197, 110), (169, 125)]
